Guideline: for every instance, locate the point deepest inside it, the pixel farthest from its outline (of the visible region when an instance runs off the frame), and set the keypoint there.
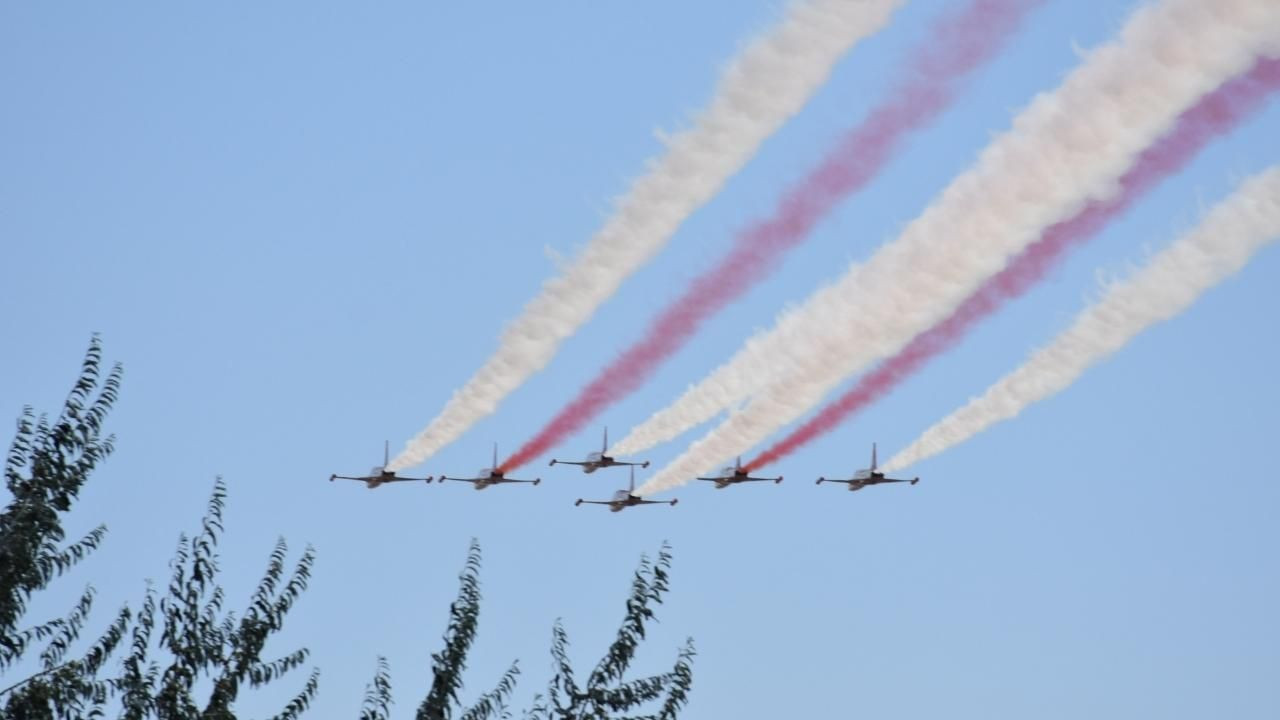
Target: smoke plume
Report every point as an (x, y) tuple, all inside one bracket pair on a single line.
[(956, 45), (766, 84), (1217, 113), (1213, 251), (1069, 147)]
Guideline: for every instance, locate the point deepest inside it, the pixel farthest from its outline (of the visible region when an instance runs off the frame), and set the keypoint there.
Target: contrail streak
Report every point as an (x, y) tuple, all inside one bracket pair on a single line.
[(769, 81), (1174, 279), (1068, 147), (957, 44), (1067, 144), (1214, 115)]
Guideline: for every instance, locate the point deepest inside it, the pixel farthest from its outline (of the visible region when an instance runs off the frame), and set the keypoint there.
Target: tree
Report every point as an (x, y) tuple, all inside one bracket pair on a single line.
[(448, 664), (47, 465), (606, 693), (201, 641), (182, 637)]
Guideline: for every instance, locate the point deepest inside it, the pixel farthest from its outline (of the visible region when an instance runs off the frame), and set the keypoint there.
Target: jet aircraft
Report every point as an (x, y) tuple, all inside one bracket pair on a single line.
[(735, 474), (624, 499), (597, 460), (871, 476), (379, 475), (490, 475)]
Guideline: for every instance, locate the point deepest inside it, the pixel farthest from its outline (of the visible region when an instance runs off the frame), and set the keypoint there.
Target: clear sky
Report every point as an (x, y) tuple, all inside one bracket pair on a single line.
[(301, 226)]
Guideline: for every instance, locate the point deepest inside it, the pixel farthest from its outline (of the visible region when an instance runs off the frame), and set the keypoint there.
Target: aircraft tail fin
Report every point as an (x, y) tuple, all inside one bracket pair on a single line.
[(386, 452), (737, 464), (495, 456), (604, 445), (631, 489), (873, 457)]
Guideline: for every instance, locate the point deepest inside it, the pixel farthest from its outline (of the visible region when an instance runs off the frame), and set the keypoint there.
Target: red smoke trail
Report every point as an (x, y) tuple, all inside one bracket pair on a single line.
[(957, 44), (1215, 114)]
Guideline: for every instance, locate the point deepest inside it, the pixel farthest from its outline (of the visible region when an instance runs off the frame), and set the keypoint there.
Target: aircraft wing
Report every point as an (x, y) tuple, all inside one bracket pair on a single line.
[(378, 479)]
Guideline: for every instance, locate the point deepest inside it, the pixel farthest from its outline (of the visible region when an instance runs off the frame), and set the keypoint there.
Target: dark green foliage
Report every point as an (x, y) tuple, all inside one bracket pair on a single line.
[(377, 695), (47, 465), (494, 702), (68, 689), (204, 642), (606, 694), (197, 641), (182, 641), (448, 665), (302, 701), (138, 675)]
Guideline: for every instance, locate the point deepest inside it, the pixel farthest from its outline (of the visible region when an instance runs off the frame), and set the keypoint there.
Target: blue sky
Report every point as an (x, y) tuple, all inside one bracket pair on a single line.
[(301, 226)]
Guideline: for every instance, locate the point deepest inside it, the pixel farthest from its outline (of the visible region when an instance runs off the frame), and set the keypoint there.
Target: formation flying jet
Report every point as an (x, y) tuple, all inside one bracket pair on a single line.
[(624, 499), (735, 474), (379, 475), (490, 475), (597, 460), (871, 476)]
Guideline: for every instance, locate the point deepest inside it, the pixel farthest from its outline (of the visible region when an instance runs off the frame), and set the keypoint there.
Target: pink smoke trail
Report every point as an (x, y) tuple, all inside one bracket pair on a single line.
[(957, 44), (1215, 114)]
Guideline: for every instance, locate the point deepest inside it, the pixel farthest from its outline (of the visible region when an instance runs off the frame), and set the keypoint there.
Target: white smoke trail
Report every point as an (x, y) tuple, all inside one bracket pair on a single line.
[(766, 84), (1217, 248), (1067, 148), (1114, 81)]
